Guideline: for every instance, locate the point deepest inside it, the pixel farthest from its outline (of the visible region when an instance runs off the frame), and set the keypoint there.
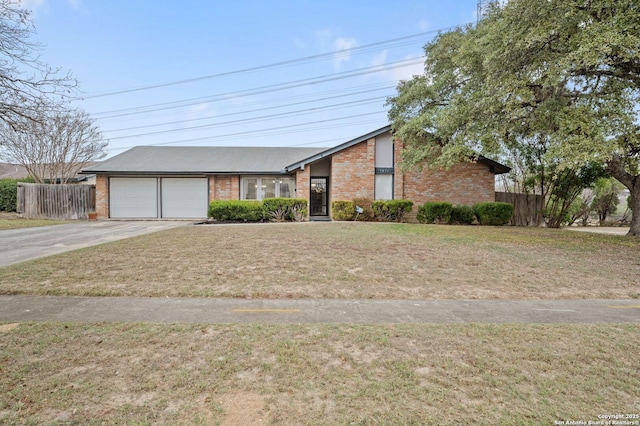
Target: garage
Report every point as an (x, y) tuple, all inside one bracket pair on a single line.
[(158, 197), (184, 197)]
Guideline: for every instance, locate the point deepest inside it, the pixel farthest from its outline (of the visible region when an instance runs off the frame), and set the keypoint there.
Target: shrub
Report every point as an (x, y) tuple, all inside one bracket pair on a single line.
[(8, 193), (281, 209), (434, 212), (276, 209), (367, 210), (299, 209), (391, 210), (462, 215), (236, 210), (494, 214), (343, 210)]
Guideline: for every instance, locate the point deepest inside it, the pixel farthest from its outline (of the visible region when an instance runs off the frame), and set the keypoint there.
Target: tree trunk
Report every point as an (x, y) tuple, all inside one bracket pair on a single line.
[(615, 167), (635, 208)]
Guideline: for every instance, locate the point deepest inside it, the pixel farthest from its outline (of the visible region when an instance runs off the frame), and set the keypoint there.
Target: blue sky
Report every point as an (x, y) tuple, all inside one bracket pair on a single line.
[(334, 95)]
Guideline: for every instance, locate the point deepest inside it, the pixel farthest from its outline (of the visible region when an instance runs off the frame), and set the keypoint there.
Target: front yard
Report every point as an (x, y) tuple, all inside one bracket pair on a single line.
[(143, 374), (342, 260)]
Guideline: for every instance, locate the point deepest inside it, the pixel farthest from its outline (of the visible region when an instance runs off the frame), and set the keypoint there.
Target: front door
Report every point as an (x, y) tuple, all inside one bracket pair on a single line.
[(319, 197)]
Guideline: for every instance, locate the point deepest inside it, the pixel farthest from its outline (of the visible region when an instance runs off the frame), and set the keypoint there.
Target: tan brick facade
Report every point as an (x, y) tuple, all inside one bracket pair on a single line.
[(352, 172), (224, 187), (102, 196), (303, 183), (464, 183)]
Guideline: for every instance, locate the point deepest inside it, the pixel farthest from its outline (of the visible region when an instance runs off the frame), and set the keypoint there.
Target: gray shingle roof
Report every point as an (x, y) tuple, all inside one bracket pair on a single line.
[(199, 160)]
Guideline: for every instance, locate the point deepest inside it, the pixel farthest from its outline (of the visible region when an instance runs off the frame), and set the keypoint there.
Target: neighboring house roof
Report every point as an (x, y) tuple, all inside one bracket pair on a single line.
[(202, 160), (13, 171)]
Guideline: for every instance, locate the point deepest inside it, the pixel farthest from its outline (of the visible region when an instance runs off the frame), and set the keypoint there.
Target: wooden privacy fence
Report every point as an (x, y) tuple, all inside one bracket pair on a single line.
[(62, 202), (527, 208)]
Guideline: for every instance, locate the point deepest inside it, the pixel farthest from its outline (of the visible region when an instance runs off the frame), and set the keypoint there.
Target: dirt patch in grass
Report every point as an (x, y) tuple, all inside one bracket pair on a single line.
[(316, 374), (342, 260)]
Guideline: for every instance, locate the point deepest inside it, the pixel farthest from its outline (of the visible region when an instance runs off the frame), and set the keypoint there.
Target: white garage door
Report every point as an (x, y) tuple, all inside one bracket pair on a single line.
[(184, 197), (133, 197)]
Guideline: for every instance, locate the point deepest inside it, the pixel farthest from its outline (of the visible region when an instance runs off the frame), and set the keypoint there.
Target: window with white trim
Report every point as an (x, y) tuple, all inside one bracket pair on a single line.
[(261, 187)]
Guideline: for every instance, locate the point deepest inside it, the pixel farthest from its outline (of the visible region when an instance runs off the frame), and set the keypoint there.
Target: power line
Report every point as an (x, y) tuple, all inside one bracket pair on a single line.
[(244, 120), (273, 130), (310, 98), (312, 58), (261, 90), (253, 119)]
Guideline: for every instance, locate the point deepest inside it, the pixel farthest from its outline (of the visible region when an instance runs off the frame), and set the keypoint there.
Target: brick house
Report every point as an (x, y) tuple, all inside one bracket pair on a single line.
[(178, 182)]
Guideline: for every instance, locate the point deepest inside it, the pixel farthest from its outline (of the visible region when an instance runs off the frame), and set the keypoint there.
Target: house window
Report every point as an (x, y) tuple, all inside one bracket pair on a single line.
[(384, 168), (261, 187), (384, 187)]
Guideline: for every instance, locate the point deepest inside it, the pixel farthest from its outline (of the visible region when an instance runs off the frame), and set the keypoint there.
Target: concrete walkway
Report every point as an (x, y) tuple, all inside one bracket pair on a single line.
[(20, 245), (176, 310)]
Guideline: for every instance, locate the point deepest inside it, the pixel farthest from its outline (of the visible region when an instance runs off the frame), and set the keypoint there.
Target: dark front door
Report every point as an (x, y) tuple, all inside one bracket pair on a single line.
[(318, 203)]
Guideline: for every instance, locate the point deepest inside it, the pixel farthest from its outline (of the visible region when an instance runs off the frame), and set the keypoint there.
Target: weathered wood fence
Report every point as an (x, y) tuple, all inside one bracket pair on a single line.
[(527, 208), (62, 202)]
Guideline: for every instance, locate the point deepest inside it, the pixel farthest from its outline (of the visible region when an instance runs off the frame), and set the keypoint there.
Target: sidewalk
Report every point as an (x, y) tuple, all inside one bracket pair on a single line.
[(176, 310)]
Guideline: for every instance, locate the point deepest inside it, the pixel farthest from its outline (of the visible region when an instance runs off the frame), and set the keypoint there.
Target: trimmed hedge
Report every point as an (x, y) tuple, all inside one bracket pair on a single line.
[(391, 210), (367, 209), (9, 193), (281, 209), (236, 210), (343, 210), (277, 209), (462, 215), (493, 214), (434, 212)]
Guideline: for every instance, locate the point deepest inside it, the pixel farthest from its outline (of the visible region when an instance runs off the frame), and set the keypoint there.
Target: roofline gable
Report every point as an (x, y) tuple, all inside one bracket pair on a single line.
[(300, 164)]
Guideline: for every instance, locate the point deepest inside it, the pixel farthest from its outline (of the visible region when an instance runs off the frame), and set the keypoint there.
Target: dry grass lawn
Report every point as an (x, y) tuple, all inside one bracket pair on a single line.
[(342, 260), (316, 374), (12, 221)]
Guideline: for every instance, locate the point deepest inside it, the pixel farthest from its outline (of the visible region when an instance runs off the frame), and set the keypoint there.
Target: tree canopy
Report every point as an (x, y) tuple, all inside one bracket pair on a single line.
[(554, 83)]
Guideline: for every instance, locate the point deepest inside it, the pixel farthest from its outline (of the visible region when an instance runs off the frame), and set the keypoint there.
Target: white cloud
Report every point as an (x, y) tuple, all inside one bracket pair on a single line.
[(32, 5), (344, 45), (424, 25)]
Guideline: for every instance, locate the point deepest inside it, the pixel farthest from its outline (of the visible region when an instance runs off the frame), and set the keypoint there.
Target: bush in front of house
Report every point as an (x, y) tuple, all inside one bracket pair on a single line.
[(391, 210), (9, 193), (366, 204), (343, 210), (462, 215), (434, 212), (281, 209), (236, 210), (493, 213)]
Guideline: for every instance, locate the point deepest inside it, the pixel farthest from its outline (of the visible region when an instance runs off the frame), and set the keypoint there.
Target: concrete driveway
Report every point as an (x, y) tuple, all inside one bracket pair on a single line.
[(20, 245)]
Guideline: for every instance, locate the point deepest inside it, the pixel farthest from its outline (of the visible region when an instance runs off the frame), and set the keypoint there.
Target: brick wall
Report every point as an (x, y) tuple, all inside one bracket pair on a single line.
[(102, 196), (353, 172), (465, 183), (224, 187), (303, 182)]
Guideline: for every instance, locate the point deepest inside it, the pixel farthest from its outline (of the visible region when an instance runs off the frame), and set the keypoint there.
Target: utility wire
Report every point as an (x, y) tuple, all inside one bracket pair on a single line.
[(261, 90), (208, 117), (273, 65), (273, 130), (254, 119)]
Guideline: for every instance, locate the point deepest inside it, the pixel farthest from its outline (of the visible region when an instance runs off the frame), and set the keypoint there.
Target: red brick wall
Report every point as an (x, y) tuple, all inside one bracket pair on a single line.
[(353, 172), (102, 196), (465, 183)]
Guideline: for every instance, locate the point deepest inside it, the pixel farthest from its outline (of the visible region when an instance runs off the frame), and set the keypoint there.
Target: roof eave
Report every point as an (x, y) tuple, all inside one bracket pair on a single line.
[(300, 164)]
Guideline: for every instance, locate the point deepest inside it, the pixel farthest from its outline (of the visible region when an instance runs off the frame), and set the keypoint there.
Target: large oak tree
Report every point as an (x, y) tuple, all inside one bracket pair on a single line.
[(552, 81)]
